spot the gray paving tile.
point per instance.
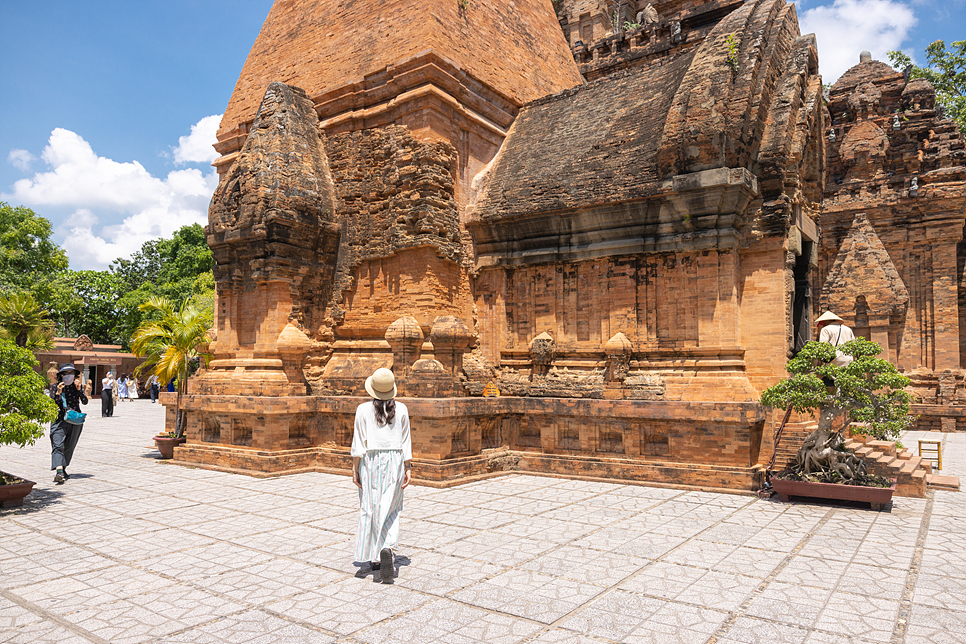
(143, 551)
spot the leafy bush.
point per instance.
(24, 405)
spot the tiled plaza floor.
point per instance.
(132, 549)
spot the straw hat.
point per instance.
(381, 384)
(828, 316)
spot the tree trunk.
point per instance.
(821, 451)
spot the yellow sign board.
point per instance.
(490, 391)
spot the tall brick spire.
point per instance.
(354, 58)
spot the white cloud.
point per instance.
(134, 205)
(21, 159)
(846, 27)
(197, 146)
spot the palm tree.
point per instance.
(24, 322)
(170, 344)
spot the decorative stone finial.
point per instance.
(865, 56)
(914, 187)
(405, 337)
(895, 122)
(543, 349)
(451, 339)
(618, 351)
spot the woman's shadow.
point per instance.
(365, 569)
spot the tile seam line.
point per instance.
(266, 607)
(613, 588)
(912, 577)
(735, 615)
(52, 617)
(543, 626)
(182, 582)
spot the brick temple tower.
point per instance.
(607, 229)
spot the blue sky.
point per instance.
(109, 107)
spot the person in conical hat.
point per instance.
(382, 454)
(834, 331)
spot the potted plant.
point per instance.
(24, 408)
(868, 390)
(170, 343)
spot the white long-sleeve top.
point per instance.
(369, 435)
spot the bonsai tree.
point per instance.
(170, 343)
(24, 407)
(869, 390)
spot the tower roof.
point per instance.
(514, 47)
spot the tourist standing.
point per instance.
(132, 388)
(68, 394)
(107, 395)
(834, 332)
(154, 387)
(122, 387)
(381, 468)
(115, 391)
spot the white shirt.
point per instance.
(368, 435)
(837, 335)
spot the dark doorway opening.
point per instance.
(802, 302)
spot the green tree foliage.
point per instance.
(24, 405)
(869, 390)
(25, 323)
(169, 342)
(946, 70)
(29, 261)
(106, 305)
(26, 251)
(98, 310)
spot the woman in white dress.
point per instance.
(132, 388)
(382, 455)
(122, 387)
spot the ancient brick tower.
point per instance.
(892, 253)
(609, 232)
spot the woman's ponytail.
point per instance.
(385, 410)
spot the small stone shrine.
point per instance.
(618, 233)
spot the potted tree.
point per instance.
(170, 342)
(869, 390)
(24, 408)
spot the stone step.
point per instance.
(943, 482)
(912, 464)
(888, 461)
(886, 447)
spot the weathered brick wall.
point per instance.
(891, 256)
(402, 251)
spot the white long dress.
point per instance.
(383, 450)
(122, 389)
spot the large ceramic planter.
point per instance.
(877, 496)
(12, 495)
(166, 445)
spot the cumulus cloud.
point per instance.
(197, 146)
(134, 205)
(21, 159)
(846, 27)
